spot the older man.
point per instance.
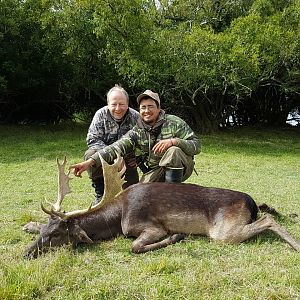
(164, 144)
(109, 124)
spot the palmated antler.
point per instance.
(63, 188)
(113, 182)
(63, 184)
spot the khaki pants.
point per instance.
(174, 157)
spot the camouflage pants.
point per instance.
(174, 157)
(131, 174)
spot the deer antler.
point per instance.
(63, 188)
(63, 184)
(113, 182)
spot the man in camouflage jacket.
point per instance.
(164, 144)
(109, 124)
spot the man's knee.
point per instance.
(175, 150)
(173, 157)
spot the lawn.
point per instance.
(262, 162)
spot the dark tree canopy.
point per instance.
(208, 59)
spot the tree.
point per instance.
(51, 60)
(208, 59)
(274, 31)
(30, 70)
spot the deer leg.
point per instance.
(147, 240)
(284, 234)
(243, 232)
(266, 222)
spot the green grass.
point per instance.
(263, 163)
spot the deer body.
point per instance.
(156, 214)
(184, 208)
(159, 214)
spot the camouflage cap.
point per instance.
(147, 94)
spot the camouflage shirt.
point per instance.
(105, 130)
(142, 137)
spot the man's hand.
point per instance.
(81, 167)
(163, 145)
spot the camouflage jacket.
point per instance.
(143, 137)
(105, 130)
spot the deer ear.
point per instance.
(81, 236)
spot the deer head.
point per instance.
(63, 227)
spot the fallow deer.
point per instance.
(156, 214)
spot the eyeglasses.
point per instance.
(147, 107)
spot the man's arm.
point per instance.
(123, 146)
(95, 135)
(183, 136)
(190, 144)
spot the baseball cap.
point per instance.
(146, 94)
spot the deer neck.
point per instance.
(102, 224)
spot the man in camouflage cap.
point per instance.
(164, 144)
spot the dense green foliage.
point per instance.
(208, 59)
(265, 164)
